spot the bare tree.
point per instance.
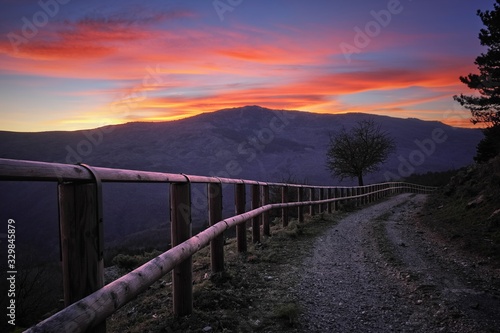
(355, 153)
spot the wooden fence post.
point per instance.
(321, 207)
(180, 222)
(81, 241)
(300, 209)
(311, 198)
(241, 229)
(341, 195)
(336, 194)
(214, 192)
(284, 210)
(329, 206)
(256, 220)
(265, 215)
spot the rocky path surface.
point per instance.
(378, 270)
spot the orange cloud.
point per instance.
(203, 70)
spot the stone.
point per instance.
(475, 202)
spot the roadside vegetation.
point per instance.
(436, 179)
(255, 293)
(466, 211)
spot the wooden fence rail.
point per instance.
(89, 302)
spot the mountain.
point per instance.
(249, 142)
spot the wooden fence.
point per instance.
(89, 302)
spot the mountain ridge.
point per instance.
(247, 108)
(249, 142)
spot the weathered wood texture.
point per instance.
(265, 216)
(215, 215)
(80, 233)
(311, 198)
(240, 207)
(180, 221)
(284, 210)
(300, 209)
(81, 236)
(256, 220)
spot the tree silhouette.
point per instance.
(485, 104)
(355, 153)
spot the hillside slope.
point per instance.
(466, 212)
(262, 143)
(249, 142)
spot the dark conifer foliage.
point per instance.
(485, 103)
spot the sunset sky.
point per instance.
(67, 65)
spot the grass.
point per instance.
(288, 311)
(256, 292)
(385, 246)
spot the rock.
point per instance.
(207, 329)
(256, 323)
(474, 306)
(495, 213)
(475, 202)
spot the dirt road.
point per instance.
(378, 270)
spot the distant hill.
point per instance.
(249, 142)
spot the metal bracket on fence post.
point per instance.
(81, 238)
(100, 221)
(182, 274)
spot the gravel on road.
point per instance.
(378, 270)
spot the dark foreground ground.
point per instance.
(377, 269)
